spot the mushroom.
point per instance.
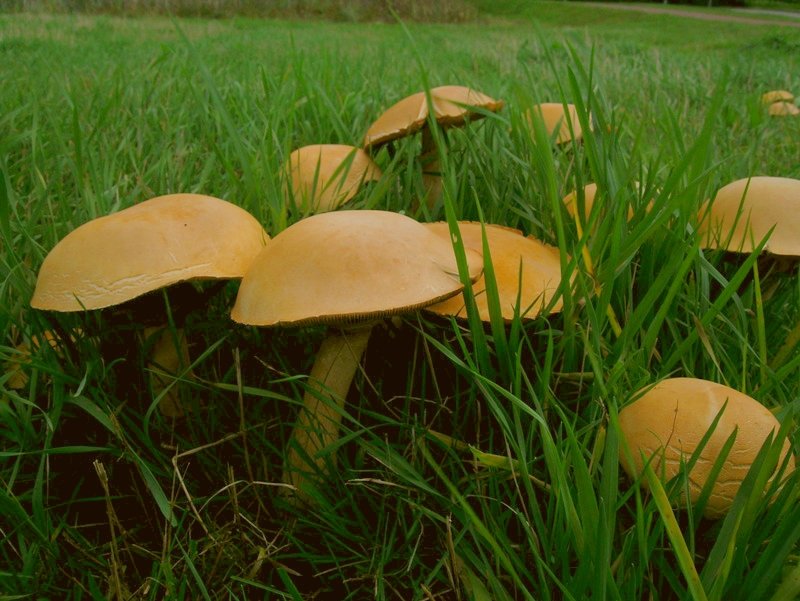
(527, 271)
(743, 213)
(774, 96)
(154, 244)
(346, 269)
(452, 106)
(589, 194)
(323, 176)
(741, 216)
(17, 377)
(557, 117)
(667, 422)
(783, 109)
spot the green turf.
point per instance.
(103, 497)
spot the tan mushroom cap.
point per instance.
(349, 266)
(589, 195)
(156, 243)
(571, 200)
(324, 176)
(553, 116)
(776, 96)
(783, 109)
(451, 107)
(668, 422)
(769, 202)
(541, 272)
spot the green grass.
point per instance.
(102, 497)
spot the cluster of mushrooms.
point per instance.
(780, 103)
(350, 269)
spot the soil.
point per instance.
(698, 15)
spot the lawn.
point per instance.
(477, 462)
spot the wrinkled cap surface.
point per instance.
(555, 118)
(156, 243)
(668, 422)
(324, 176)
(743, 212)
(528, 272)
(451, 107)
(348, 266)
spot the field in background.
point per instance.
(97, 113)
(443, 11)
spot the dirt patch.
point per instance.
(698, 15)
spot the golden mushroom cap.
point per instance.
(324, 176)
(153, 244)
(555, 117)
(513, 256)
(571, 200)
(776, 96)
(452, 106)
(589, 194)
(783, 109)
(668, 421)
(349, 266)
(744, 211)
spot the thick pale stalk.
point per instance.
(317, 425)
(168, 357)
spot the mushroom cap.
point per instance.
(324, 176)
(776, 96)
(153, 244)
(513, 256)
(554, 116)
(589, 194)
(668, 421)
(571, 200)
(349, 266)
(738, 222)
(452, 106)
(783, 109)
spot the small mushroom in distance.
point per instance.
(783, 109)
(527, 271)
(346, 269)
(557, 119)
(774, 96)
(154, 244)
(666, 424)
(451, 106)
(780, 103)
(322, 177)
(590, 194)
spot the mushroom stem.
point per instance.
(317, 425)
(431, 170)
(168, 355)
